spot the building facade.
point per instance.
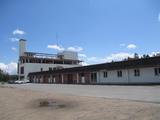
(38, 62)
(135, 71)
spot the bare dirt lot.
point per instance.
(21, 104)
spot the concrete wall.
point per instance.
(36, 67)
(113, 78)
(69, 55)
(147, 75)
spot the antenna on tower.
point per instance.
(57, 38)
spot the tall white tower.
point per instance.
(22, 47)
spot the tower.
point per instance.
(22, 47)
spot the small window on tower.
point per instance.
(41, 69)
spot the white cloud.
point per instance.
(76, 48)
(82, 55)
(84, 63)
(18, 32)
(94, 60)
(131, 46)
(10, 68)
(14, 39)
(159, 17)
(113, 57)
(56, 47)
(122, 45)
(154, 53)
(14, 49)
(118, 56)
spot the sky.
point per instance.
(99, 30)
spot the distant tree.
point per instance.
(4, 77)
(13, 77)
(136, 56)
(145, 56)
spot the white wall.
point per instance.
(36, 67)
(113, 78)
(147, 75)
(69, 55)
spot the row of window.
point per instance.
(136, 73)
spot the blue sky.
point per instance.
(100, 30)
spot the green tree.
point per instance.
(4, 77)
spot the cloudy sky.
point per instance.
(100, 30)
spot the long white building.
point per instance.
(35, 62)
(134, 71)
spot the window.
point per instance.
(41, 69)
(136, 72)
(157, 71)
(22, 70)
(94, 77)
(50, 69)
(105, 74)
(82, 74)
(119, 73)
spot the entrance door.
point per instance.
(83, 79)
(94, 77)
(70, 79)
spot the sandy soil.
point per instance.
(20, 104)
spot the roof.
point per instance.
(128, 64)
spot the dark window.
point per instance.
(94, 77)
(22, 70)
(119, 73)
(136, 72)
(82, 74)
(41, 69)
(26, 60)
(50, 69)
(157, 71)
(105, 74)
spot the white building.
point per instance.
(135, 71)
(36, 62)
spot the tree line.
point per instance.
(4, 77)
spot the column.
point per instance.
(77, 78)
(62, 79)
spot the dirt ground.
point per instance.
(20, 104)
